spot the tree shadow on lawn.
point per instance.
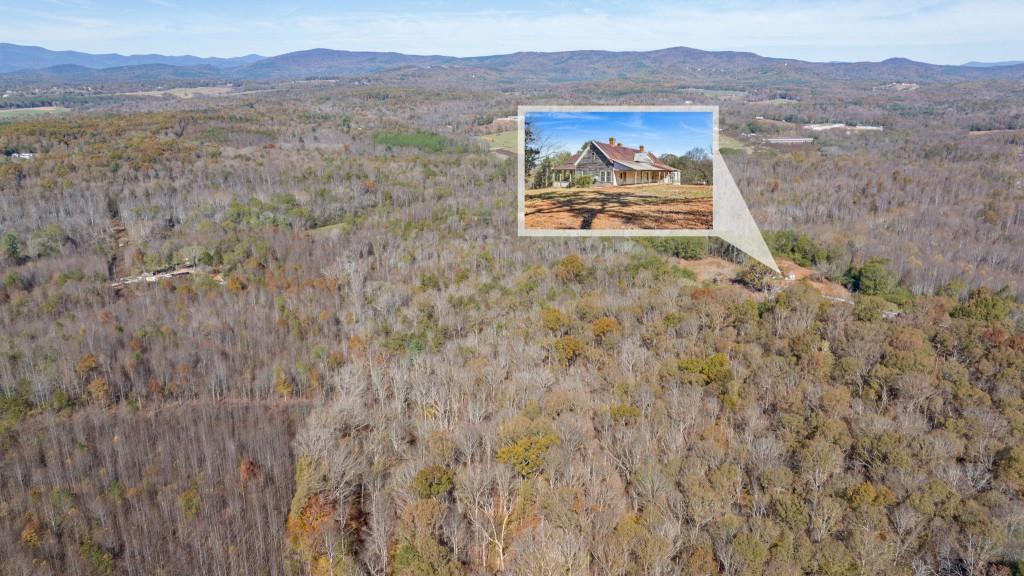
(633, 210)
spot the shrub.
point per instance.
(235, 284)
(605, 326)
(433, 481)
(872, 278)
(790, 510)
(625, 413)
(983, 304)
(430, 282)
(49, 240)
(568, 349)
(869, 308)
(797, 247)
(311, 511)
(86, 365)
(32, 533)
(526, 454)
(100, 561)
(189, 501)
(583, 181)
(686, 248)
(755, 275)
(834, 559)
(420, 551)
(10, 247)
(15, 405)
(99, 391)
(658, 267)
(1010, 468)
(554, 320)
(752, 550)
(714, 369)
(571, 268)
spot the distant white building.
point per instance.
(823, 127)
(23, 155)
(788, 140)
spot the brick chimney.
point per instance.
(611, 141)
(641, 147)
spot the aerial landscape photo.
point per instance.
(266, 309)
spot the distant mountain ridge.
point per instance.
(975, 64)
(14, 57)
(324, 63)
(683, 64)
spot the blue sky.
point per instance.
(940, 31)
(660, 132)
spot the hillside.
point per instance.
(365, 371)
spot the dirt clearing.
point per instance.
(643, 207)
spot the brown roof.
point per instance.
(571, 164)
(623, 155)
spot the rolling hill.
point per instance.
(975, 64)
(683, 64)
(14, 57)
(322, 62)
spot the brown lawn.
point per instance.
(718, 271)
(641, 207)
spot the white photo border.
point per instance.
(523, 110)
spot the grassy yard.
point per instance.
(730, 143)
(507, 140)
(643, 207)
(13, 113)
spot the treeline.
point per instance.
(695, 167)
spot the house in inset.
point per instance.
(612, 164)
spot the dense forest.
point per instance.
(354, 366)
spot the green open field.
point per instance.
(13, 113)
(506, 140)
(186, 93)
(730, 143)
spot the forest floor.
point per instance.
(642, 207)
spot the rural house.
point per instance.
(612, 164)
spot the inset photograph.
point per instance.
(600, 169)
